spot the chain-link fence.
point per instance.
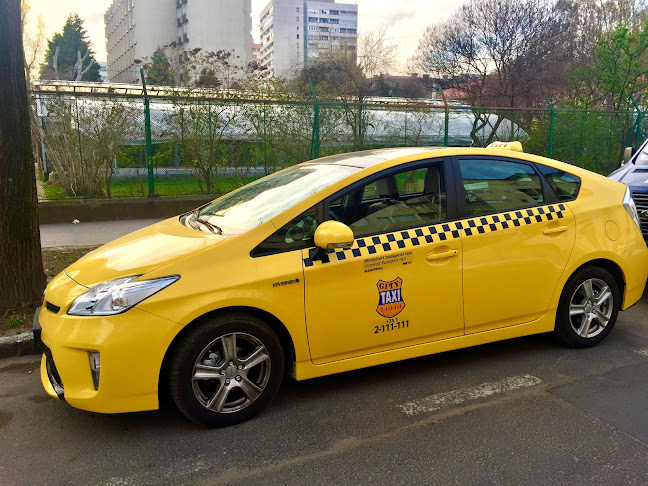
(100, 144)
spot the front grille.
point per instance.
(52, 308)
(641, 201)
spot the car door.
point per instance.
(400, 283)
(518, 240)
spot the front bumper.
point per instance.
(49, 374)
(131, 345)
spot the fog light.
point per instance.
(95, 366)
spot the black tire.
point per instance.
(574, 296)
(233, 392)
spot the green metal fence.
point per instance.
(103, 143)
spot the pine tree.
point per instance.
(72, 44)
(158, 71)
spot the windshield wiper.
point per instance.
(214, 229)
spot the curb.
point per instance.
(19, 345)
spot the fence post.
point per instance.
(551, 123)
(84, 187)
(265, 139)
(406, 127)
(447, 114)
(149, 142)
(315, 134)
(637, 122)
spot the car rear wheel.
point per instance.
(226, 370)
(588, 308)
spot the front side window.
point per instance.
(260, 201)
(494, 186)
(299, 233)
(403, 200)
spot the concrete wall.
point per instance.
(114, 209)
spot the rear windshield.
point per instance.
(256, 203)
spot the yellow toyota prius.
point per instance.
(336, 264)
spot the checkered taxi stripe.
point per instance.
(372, 245)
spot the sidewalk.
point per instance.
(91, 233)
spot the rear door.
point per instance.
(518, 240)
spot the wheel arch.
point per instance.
(275, 324)
(610, 265)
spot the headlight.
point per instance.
(629, 205)
(117, 296)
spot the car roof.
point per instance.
(367, 158)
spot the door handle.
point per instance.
(439, 256)
(553, 231)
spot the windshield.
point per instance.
(642, 157)
(264, 199)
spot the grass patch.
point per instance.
(53, 192)
(55, 260)
(181, 186)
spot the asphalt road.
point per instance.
(524, 411)
(89, 233)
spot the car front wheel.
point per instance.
(588, 308)
(226, 369)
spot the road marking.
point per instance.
(642, 352)
(440, 400)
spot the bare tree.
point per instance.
(205, 130)
(349, 73)
(83, 137)
(78, 66)
(34, 40)
(497, 53)
(21, 268)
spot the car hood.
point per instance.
(140, 252)
(632, 175)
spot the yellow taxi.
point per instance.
(336, 264)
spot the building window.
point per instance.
(297, 19)
(297, 36)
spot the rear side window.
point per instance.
(564, 184)
(493, 186)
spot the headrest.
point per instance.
(387, 187)
(432, 182)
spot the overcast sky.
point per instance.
(405, 20)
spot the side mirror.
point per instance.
(627, 154)
(333, 234)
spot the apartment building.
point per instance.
(215, 25)
(293, 31)
(136, 28)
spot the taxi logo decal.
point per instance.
(370, 246)
(390, 297)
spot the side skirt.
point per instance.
(305, 370)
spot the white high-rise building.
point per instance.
(293, 31)
(216, 25)
(136, 28)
